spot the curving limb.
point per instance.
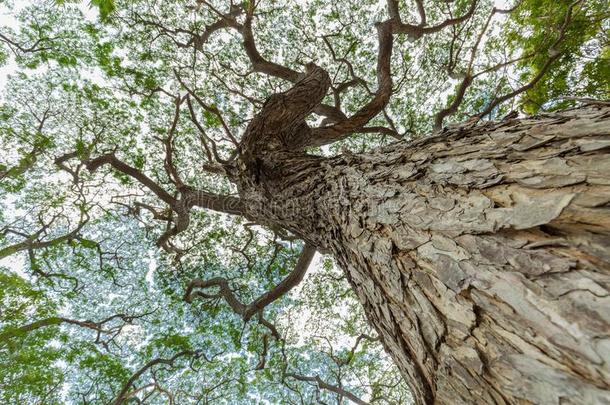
(329, 134)
(280, 124)
(103, 327)
(385, 31)
(168, 143)
(259, 63)
(262, 65)
(321, 384)
(124, 395)
(190, 198)
(336, 125)
(34, 241)
(246, 311)
(415, 32)
(111, 159)
(225, 21)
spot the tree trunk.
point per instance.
(481, 255)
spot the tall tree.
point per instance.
(241, 138)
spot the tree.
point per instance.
(241, 138)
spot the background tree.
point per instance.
(170, 168)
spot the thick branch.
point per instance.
(225, 21)
(190, 198)
(329, 387)
(415, 32)
(262, 65)
(325, 135)
(58, 320)
(32, 242)
(422, 12)
(215, 202)
(112, 160)
(247, 311)
(123, 394)
(346, 126)
(333, 133)
(283, 115)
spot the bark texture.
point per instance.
(481, 255)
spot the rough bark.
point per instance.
(481, 255)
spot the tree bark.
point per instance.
(481, 255)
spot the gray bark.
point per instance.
(481, 255)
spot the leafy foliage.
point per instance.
(584, 49)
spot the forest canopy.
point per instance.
(130, 270)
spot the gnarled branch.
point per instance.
(99, 327)
(329, 387)
(415, 32)
(33, 241)
(123, 395)
(246, 311)
(190, 198)
(329, 134)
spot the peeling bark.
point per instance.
(481, 255)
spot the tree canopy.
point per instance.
(129, 269)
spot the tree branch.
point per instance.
(110, 159)
(281, 122)
(329, 387)
(123, 395)
(210, 109)
(469, 76)
(23, 48)
(32, 242)
(280, 113)
(415, 32)
(247, 311)
(99, 327)
(190, 198)
(325, 135)
(554, 54)
(215, 202)
(168, 143)
(262, 65)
